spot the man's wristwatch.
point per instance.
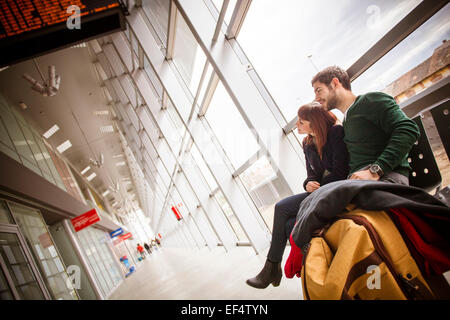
(374, 168)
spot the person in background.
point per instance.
(140, 249)
(326, 160)
(147, 247)
(378, 134)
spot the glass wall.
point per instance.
(187, 55)
(20, 141)
(94, 242)
(24, 285)
(230, 129)
(44, 252)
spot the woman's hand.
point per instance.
(312, 186)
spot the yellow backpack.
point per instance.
(362, 255)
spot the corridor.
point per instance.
(182, 274)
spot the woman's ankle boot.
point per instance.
(270, 274)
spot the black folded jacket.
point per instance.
(321, 206)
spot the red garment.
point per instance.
(429, 248)
(140, 248)
(293, 264)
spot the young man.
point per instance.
(378, 134)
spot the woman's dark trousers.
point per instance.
(283, 222)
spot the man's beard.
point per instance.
(332, 102)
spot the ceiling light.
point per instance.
(85, 170)
(100, 112)
(92, 176)
(64, 146)
(51, 131)
(122, 163)
(79, 45)
(106, 129)
(104, 194)
(23, 106)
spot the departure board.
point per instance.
(19, 16)
(30, 28)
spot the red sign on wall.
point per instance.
(177, 213)
(85, 220)
(126, 236)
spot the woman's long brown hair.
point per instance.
(320, 120)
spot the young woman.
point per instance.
(327, 160)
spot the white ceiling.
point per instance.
(79, 95)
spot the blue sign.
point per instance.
(116, 233)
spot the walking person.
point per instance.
(140, 249)
(327, 160)
(147, 247)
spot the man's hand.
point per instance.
(312, 186)
(365, 175)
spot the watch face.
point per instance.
(375, 169)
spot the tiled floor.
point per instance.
(175, 273)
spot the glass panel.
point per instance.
(204, 170)
(263, 184)
(187, 55)
(114, 272)
(156, 84)
(44, 155)
(230, 8)
(9, 152)
(4, 137)
(227, 123)
(16, 135)
(40, 156)
(93, 257)
(29, 137)
(30, 165)
(407, 55)
(101, 260)
(58, 173)
(288, 42)
(18, 267)
(158, 11)
(34, 229)
(5, 290)
(50, 163)
(5, 216)
(236, 226)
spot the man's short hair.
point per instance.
(326, 75)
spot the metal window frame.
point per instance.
(220, 20)
(169, 146)
(237, 19)
(260, 242)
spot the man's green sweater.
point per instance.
(377, 131)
